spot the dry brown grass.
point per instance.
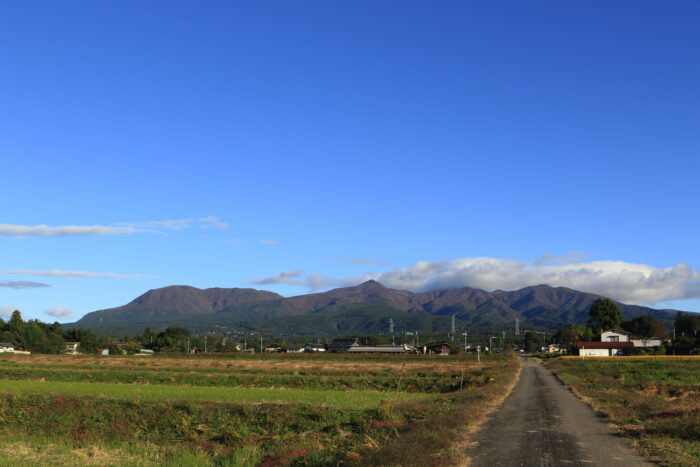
(653, 401)
(24, 453)
(246, 363)
(443, 437)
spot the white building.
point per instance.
(615, 335)
(603, 349)
(315, 348)
(647, 342)
(71, 348)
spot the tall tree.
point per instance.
(533, 342)
(604, 315)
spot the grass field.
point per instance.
(288, 410)
(654, 400)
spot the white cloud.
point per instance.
(285, 277)
(171, 224)
(20, 285)
(74, 274)
(122, 228)
(58, 312)
(625, 282)
(212, 222)
(6, 311)
(268, 242)
(19, 231)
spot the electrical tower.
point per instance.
(453, 328)
(517, 327)
(391, 325)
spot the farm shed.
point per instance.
(315, 348)
(399, 349)
(343, 345)
(603, 349)
(436, 349)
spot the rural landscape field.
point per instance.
(653, 400)
(243, 410)
(362, 233)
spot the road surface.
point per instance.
(542, 423)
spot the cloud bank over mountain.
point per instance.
(625, 282)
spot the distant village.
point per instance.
(605, 335)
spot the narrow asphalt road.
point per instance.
(542, 423)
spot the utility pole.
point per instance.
(188, 346)
(465, 340)
(453, 328)
(391, 329)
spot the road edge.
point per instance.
(466, 443)
(590, 403)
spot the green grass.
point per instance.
(419, 382)
(66, 411)
(655, 401)
(349, 399)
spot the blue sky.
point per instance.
(298, 146)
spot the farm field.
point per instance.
(655, 401)
(286, 410)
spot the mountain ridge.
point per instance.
(367, 307)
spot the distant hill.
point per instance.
(172, 303)
(361, 309)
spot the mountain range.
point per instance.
(362, 309)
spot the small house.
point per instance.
(315, 348)
(71, 348)
(552, 348)
(436, 349)
(603, 349)
(295, 349)
(6, 347)
(615, 335)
